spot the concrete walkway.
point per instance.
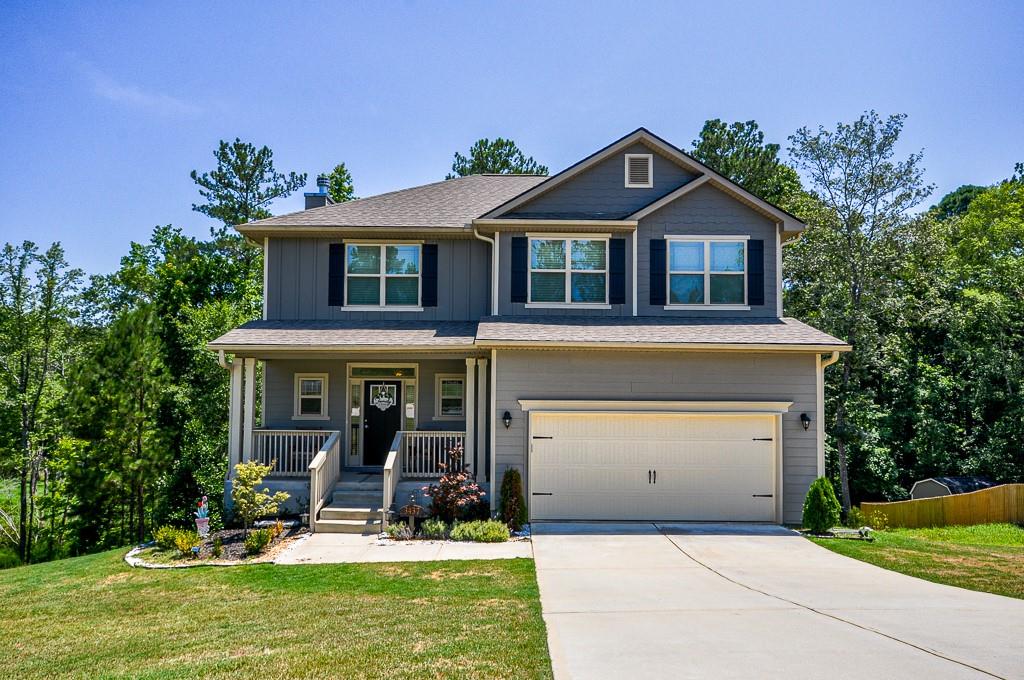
(332, 548)
(728, 601)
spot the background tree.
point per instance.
(843, 264)
(499, 157)
(243, 184)
(957, 201)
(37, 293)
(739, 152)
(340, 188)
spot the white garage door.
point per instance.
(652, 466)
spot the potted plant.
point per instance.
(203, 518)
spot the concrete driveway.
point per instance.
(728, 601)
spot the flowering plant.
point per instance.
(456, 493)
(204, 509)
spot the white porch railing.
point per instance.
(392, 475)
(423, 452)
(292, 450)
(324, 473)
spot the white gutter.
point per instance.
(494, 267)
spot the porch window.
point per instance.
(382, 275)
(450, 397)
(568, 271)
(310, 396)
(707, 272)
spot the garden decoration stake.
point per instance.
(203, 518)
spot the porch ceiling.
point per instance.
(327, 336)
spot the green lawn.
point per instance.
(96, 617)
(986, 557)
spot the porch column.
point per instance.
(481, 421)
(234, 417)
(468, 450)
(248, 408)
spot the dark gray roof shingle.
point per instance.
(449, 204)
(341, 334)
(652, 330)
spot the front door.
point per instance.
(383, 419)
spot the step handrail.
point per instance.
(324, 473)
(392, 475)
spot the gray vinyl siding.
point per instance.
(601, 191)
(508, 308)
(706, 211)
(297, 271)
(280, 390)
(664, 376)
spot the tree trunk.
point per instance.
(24, 537)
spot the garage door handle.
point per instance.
(537, 437)
(538, 493)
(655, 476)
(763, 439)
(763, 495)
(648, 476)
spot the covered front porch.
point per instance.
(345, 430)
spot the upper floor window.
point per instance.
(568, 271)
(382, 275)
(707, 271)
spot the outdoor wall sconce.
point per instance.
(507, 419)
(805, 420)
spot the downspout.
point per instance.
(223, 360)
(494, 267)
(831, 360)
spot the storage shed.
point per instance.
(947, 486)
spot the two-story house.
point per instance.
(614, 331)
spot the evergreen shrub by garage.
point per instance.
(821, 507)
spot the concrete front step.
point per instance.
(348, 526)
(365, 512)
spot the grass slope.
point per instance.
(986, 557)
(96, 617)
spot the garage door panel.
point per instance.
(598, 465)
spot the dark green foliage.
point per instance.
(511, 504)
(957, 201)
(340, 188)
(498, 157)
(8, 558)
(243, 184)
(739, 152)
(821, 507)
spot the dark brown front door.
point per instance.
(382, 419)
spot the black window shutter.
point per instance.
(658, 269)
(617, 271)
(519, 268)
(429, 275)
(755, 272)
(336, 275)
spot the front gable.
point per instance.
(600, 191)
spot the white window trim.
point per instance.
(324, 381)
(706, 240)
(438, 379)
(650, 170)
(383, 277)
(567, 303)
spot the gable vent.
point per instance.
(639, 170)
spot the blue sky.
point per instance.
(106, 107)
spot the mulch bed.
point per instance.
(232, 549)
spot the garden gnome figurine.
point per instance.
(203, 518)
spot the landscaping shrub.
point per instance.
(456, 494)
(185, 541)
(481, 531)
(218, 547)
(400, 531)
(166, 537)
(511, 505)
(434, 529)
(855, 519)
(821, 507)
(251, 503)
(257, 541)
